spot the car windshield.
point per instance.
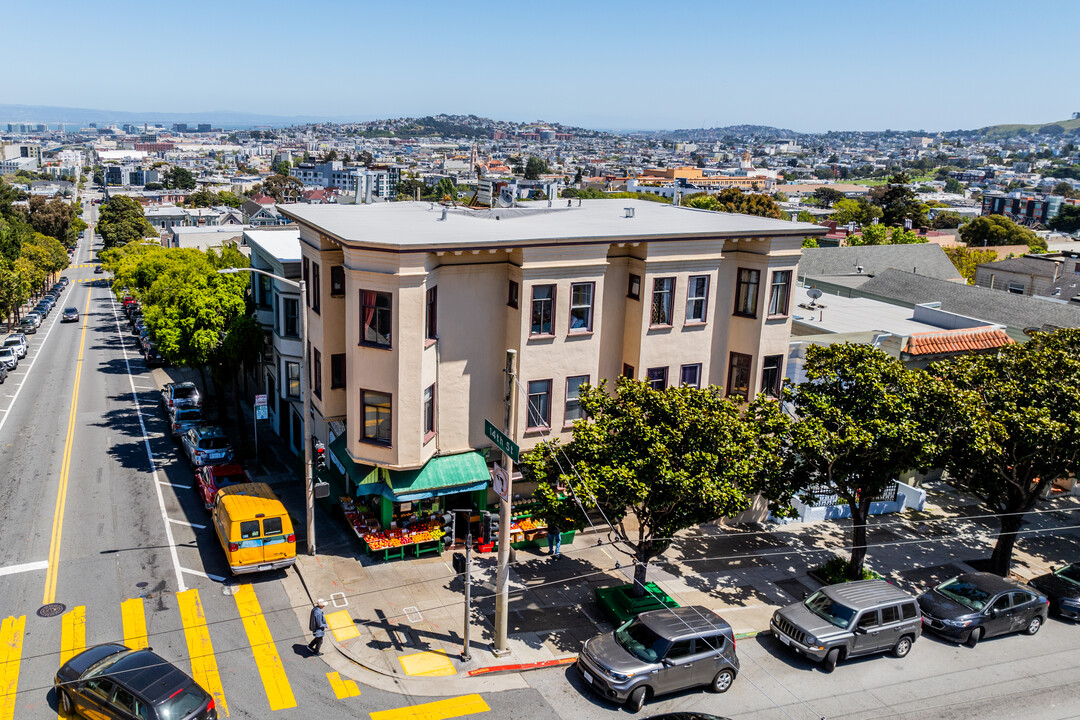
(12, 342)
(102, 665)
(6, 350)
(181, 704)
(188, 414)
(828, 609)
(215, 443)
(637, 639)
(964, 593)
(1070, 573)
(71, 310)
(184, 392)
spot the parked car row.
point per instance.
(15, 346)
(664, 651)
(143, 338)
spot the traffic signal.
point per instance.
(490, 529)
(320, 456)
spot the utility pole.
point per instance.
(502, 578)
(305, 393)
(466, 656)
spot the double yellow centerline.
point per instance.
(65, 469)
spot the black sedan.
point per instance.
(112, 681)
(71, 314)
(1062, 587)
(969, 607)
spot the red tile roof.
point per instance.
(956, 341)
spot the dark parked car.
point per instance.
(71, 314)
(1062, 587)
(182, 418)
(974, 606)
(27, 327)
(3, 373)
(661, 651)
(183, 394)
(206, 445)
(98, 270)
(153, 356)
(110, 681)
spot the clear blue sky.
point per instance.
(808, 66)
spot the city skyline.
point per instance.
(605, 66)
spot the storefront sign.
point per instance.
(502, 442)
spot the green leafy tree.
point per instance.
(283, 188)
(1009, 426)
(408, 186)
(952, 185)
(1067, 220)
(994, 230)
(858, 426)
(967, 259)
(445, 189)
(282, 167)
(734, 200)
(1065, 190)
(871, 235)
(667, 460)
(535, 167)
(948, 220)
(121, 221)
(810, 242)
(178, 178)
(861, 212)
(899, 236)
(898, 202)
(10, 290)
(828, 196)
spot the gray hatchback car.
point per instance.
(848, 620)
(661, 651)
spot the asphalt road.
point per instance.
(99, 516)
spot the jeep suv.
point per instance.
(848, 620)
(661, 651)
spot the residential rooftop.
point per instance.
(283, 245)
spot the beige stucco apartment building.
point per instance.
(413, 306)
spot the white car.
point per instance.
(9, 357)
(34, 317)
(18, 343)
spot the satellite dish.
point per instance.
(813, 293)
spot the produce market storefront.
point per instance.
(407, 513)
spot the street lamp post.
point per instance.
(305, 394)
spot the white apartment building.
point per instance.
(412, 307)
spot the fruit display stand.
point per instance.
(424, 535)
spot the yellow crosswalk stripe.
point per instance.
(203, 664)
(72, 638)
(342, 688)
(278, 691)
(438, 710)
(11, 642)
(134, 624)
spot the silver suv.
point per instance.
(661, 651)
(848, 620)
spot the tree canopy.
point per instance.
(828, 196)
(734, 200)
(121, 221)
(967, 259)
(994, 230)
(178, 178)
(535, 167)
(898, 202)
(1067, 220)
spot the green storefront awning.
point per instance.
(441, 475)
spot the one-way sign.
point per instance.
(502, 442)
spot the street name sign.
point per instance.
(502, 442)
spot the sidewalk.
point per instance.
(399, 625)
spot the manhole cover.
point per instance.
(141, 584)
(52, 610)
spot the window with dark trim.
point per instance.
(292, 379)
(539, 404)
(543, 310)
(772, 374)
(291, 326)
(314, 289)
(657, 378)
(738, 379)
(375, 318)
(779, 292)
(337, 371)
(573, 410)
(697, 298)
(432, 313)
(690, 375)
(512, 294)
(266, 292)
(633, 287)
(663, 301)
(429, 412)
(306, 277)
(746, 292)
(316, 369)
(628, 371)
(581, 306)
(337, 281)
(377, 410)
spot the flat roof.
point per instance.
(419, 225)
(282, 245)
(838, 314)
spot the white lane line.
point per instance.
(180, 586)
(215, 578)
(197, 526)
(176, 485)
(143, 387)
(25, 567)
(30, 367)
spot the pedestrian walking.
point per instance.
(554, 539)
(317, 625)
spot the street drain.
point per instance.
(52, 610)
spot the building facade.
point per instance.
(412, 308)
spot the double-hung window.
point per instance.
(316, 368)
(539, 404)
(746, 292)
(429, 412)
(375, 318)
(573, 409)
(657, 378)
(690, 375)
(739, 375)
(663, 301)
(581, 306)
(432, 313)
(772, 374)
(337, 281)
(315, 289)
(292, 317)
(376, 416)
(543, 310)
(292, 379)
(779, 292)
(697, 298)
(337, 371)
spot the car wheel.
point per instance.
(64, 701)
(974, 637)
(636, 701)
(830, 659)
(722, 682)
(1033, 625)
(902, 647)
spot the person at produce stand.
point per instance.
(554, 535)
(317, 625)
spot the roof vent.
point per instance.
(629, 212)
(444, 210)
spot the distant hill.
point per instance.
(83, 116)
(741, 132)
(1009, 130)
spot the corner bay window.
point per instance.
(581, 307)
(697, 297)
(291, 325)
(429, 411)
(292, 379)
(376, 416)
(772, 374)
(746, 292)
(375, 318)
(779, 291)
(539, 404)
(663, 301)
(337, 281)
(543, 310)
